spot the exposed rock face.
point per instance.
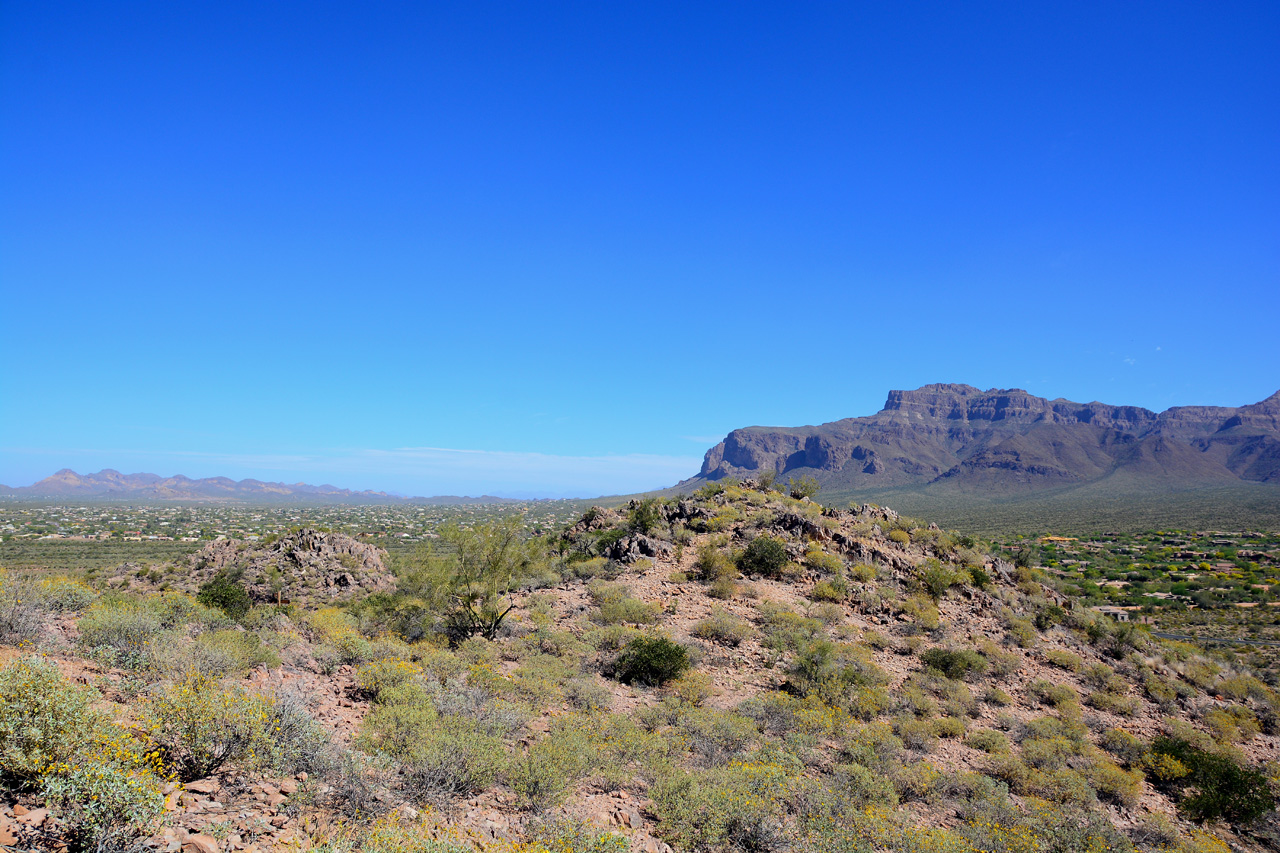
(306, 565)
(1000, 440)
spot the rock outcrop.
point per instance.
(305, 565)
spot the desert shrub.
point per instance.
(692, 688)
(22, 614)
(920, 735)
(1231, 724)
(989, 741)
(995, 696)
(646, 516)
(1223, 787)
(65, 595)
(828, 590)
(765, 555)
(738, 807)
(901, 537)
(229, 652)
(202, 725)
(784, 629)
(615, 605)
(954, 663)
(1113, 784)
(1127, 747)
(122, 629)
(43, 718)
(949, 727)
(936, 578)
(1064, 660)
(96, 775)
(225, 592)
(377, 677)
(543, 775)
(804, 487)
(587, 694)
(1000, 662)
(1113, 703)
(651, 660)
(566, 835)
(922, 610)
(826, 613)
(722, 627)
(454, 756)
(863, 572)
(103, 808)
(828, 564)
(1021, 631)
(716, 737)
(841, 675)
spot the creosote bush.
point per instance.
(651, 660)
(765, 555)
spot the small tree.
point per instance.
(805, 487)
(470, 580)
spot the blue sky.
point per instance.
(580, 242)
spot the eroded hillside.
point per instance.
(735, 670)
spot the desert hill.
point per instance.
(734, 670)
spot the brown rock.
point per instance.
(288, 786)
(33, 817)
(202, 786)
(19, 810)
(201, 844)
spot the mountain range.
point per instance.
(111, 484)
(959, 439)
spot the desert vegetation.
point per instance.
(741, 669)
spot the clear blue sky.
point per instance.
(306, 241)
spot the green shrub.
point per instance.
(936, 578)
(954, 663)
(616, 605)
(833, 591)
(646, 516)
(65, 595)
(202, 725)
(103, 808)
(949, 727)
(651, 660)
(377, 677)
(920, 735)
(765, 555)
(96, 775)
(738, 807)
(721, 627)
(43, 718)
(1224, 788)
(901, 537)
(566, 835)
(841, 675)
(989, 741)
(1064, 660)
(225, 592)
(713, 564)
(543, 775)
(1113, 703)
